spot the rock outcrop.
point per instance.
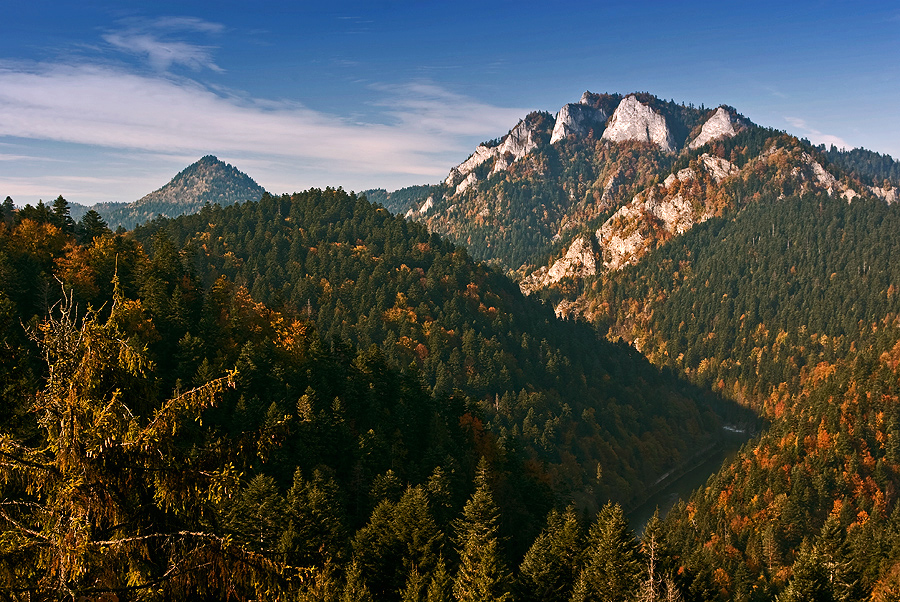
(520, 141)
(628, 234)
(423, 210)
(821, 176)
(482, 153)
(577, 120)
(579, 261)
(717, 167)
(635, 121)
(720, 125)
(888, 194)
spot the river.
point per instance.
(684, 486)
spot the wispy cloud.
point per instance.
(814, 135)
(424, 106)
(424, 128)
(158, 41)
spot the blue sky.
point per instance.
(106, 101)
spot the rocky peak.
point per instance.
(578, 120)
(720, 125)
(482, 153)
(635, 121)
(520, 141)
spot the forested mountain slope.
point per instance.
(554, 390)
(758, 266)
(193, 439)
(789, 307)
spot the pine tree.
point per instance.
(482, 575)
(91, 226)
(111, 499)
(613, 567)
(551, 564)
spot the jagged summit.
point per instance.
(577, 120)
(638, 122)
(208, 180)
(524, 138)
(720, 125)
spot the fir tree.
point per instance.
(482, 575)
(551, 564)
(613, 566)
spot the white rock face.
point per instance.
(481, 154)
(825, 179)
(634, 121)
(576, 119)
(889, 195)
(621, 238)
(717, 167)
(611, 183)
(520, 141)
(684, 175)
(579, 261)
(466, 183)
(426, 206)
(720, 125)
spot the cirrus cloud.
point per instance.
(422, 129)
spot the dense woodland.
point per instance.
(171, 428)
(790, 308)
(306, 397)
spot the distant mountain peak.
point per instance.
(208, 180)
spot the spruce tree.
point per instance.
(9, 211)
(482, 575)
(613, 566)
(551, 565)
(440, 587)
(91, 226)
(809, 581)
(60, 217)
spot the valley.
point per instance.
(497, 379)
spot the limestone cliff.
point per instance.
(521, 140)
(579, 261)
(888, 194)
(577, 120)
(720, 125)
(635, 121)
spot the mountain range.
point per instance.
(581, 311)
